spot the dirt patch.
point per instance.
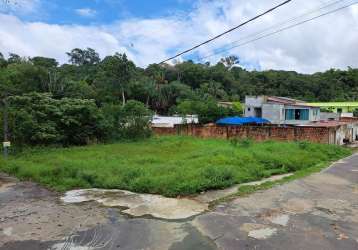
(298, 206)
(6, 182)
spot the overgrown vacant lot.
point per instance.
(170, 166)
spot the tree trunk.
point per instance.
(147, 102)
(123, 98)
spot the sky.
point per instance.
(150, 31)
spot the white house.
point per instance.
(171, 121)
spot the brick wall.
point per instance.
(258, 133)
(348, 119)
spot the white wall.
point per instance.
(252, 102)
(171, 121)
(255, 101)
(274, 113)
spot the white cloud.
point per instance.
(41, 39)
(86, 12)
(330, 41)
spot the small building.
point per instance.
(281, 110)
(171, 121)
(344, 109)
(340, 132)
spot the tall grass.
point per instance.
(170, 166)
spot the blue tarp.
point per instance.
(242, 121)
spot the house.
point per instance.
(171, 121)
(281, 110)
(344, 109)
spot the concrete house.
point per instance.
(281, 110)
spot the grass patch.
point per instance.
(170, 166)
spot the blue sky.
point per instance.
(149, 31)
(102, 11)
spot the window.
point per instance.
(248, 109)
(297, 114)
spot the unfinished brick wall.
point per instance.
(258, 133)
(164, 131)
(348, 119)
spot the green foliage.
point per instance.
(134, 119)
(44, 62)
(38, 119)
(355, 113)
(184, 88)
(171, 166)
(83, 57)
(207, 110)
(114, 75)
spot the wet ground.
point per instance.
(317, 212)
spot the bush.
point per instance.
(355, 113)
(39, 119)
(130, 121)
(134, 120)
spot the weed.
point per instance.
(171, 165)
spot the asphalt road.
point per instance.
(316, 212)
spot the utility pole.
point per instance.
(6, 143)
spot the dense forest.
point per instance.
(46, 100)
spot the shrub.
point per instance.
(39, 119)
(134, 120)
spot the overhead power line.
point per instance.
(280, 24)
(280, 30)
(228, 31)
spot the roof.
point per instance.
(289, 101)
(241, 121)
(334, 104)
(283, 100)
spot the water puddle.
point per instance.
(138, 205)
(155, 206)
(262, 234)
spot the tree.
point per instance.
(157, 73)
(207, 111)
(213, 89)
(81, 57)
(115, 74)
(192, 74)
(24, 77)
(134, 120)
(3, 62)
(230, 61)
(127, 122)
(39, 119)
(14, 58)
(44, 62)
